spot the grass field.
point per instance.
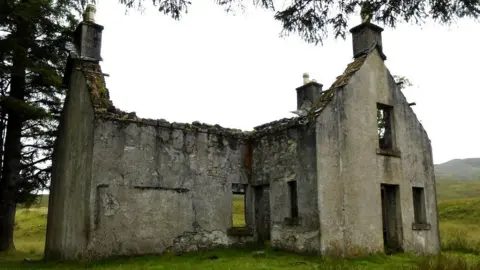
(238, 211)
(459, 228)
(457, 189)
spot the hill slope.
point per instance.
(459, 169)
(457, 189)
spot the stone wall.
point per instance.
(163, 186)
(287, 155)
(158, 186)
(350, 191)
(331, 190)
(67, 226)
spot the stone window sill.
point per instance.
(421, 226)
(240, 231)
(389, 152)
(288, 221)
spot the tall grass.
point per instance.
(460, 225)
(30, 228)
(450, 262)
(459, 228)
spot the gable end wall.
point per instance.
(362, 170)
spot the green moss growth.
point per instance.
(103, 91)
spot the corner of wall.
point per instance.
(330, 188)
(68, 211)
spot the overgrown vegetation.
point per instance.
(460, 225)
(459, 228)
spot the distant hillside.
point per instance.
(459, 169)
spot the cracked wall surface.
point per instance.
(67, 226)
(156, 188)
(283, 156)
(351, 169)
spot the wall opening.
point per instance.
(419, 210)
(385, 126)
(238, 205)
(292, 190)
(391, 217)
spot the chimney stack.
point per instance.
(308, 93)
(364, 37)
(87, 42)
(88, 36)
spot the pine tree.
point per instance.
(33, 54)
(314, 19)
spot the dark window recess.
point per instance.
(292, 188)
(238, 205)
(384, 122)
(419, 210)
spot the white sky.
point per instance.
(237, 72)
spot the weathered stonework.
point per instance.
(122, 185)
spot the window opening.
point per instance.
(292, 187)
(384, 123)
(238, 205)
(419, 210)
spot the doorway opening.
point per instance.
(392, 218)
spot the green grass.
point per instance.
(238, 211)
(457, 189)
(459, 227)
(233, 259)
(30, 228)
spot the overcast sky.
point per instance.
(237, 72)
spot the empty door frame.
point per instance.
(391, 218)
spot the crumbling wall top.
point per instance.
(104, 109)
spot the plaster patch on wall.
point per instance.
(110, 204)
(420, 241)
(204, 240)
(295, 239)
(191, 241)
(129, 148)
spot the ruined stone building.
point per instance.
(353, 174)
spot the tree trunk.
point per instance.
(2, 145)
(12, 152)
(2, 142)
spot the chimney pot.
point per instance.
(306, 78)
(89, 14)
